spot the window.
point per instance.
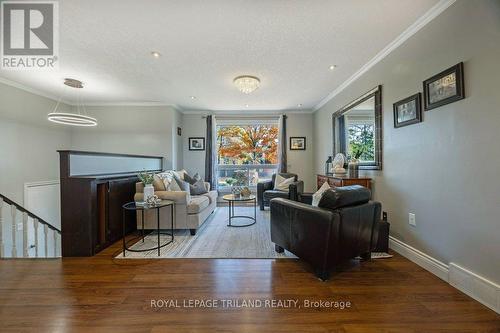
(359, 134)
(246, 153)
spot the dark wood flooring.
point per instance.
(101, 294)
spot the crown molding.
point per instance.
(431, 14)
(31, 90)
(131, 104)
(245, 112)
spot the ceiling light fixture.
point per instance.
(72, 119)
(156, 54)
(332, 67)
(246, 83)
(299, 105)
(246, 105)
(192, 97)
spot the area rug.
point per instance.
(216, 240)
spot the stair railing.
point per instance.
(48, 229)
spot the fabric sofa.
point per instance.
(344, 226)
(191, 211)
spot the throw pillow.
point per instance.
(319, 194)
(282, 183)
(181, 173)
(158, 183)
(189, 179)
(198, 188)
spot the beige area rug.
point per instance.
(216, 240)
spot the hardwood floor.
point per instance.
(100, 294)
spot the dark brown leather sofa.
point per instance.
(341, 228)
(266, 191)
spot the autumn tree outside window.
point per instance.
(246, 153)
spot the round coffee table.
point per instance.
(231, 199)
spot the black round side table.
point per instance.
(231, 199)
(133, 206)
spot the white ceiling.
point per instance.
(288, 44)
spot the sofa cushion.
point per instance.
(339, 197)
(271, 194)
(212, 196)
(197, 204)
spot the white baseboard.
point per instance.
(434, 266)
(471, 284)
(477, 287)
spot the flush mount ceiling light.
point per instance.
(72, 119)
(246, 83)
(192, 97)
(332, 67)
(156, 54)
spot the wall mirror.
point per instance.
(357, 130)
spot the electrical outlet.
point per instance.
(411, 219)
(19, 226)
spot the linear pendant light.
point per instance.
(72, 119)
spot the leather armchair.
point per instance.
(266, 191)
(343, 227)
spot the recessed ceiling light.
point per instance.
(192, 97)
(246, 105)
(156, 54)
(332, 67)
(299, 105)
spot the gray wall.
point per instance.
(28, 142)
(142, 130)
(445, 170)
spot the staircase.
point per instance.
(44, 240)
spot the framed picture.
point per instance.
(297, 143)
(408, 111)
(445, 87)
(196, 143)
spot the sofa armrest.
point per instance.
(306, 197)
(263, 186)
(179, 197)
(295, 189)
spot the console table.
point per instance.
(338, 181)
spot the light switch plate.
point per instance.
(411, 219)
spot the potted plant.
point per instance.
(147, 179)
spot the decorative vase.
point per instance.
(149, 191)
(353, 168)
